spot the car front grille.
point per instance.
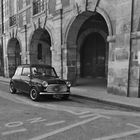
(56, 88)
(56, 82)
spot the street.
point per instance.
(53, 119)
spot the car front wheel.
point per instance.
(12, 88)
(34, 94)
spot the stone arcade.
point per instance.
(80, 38)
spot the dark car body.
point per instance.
(39, 80)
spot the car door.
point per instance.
(16, 78)
(25, 79)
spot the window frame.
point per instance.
(38, 6)
(25, 73)
(18, 73)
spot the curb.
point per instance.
(121, 105)
(4, 81)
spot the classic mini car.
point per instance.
(37, 80)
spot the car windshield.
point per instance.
(43, 71)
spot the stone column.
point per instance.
(58, 49)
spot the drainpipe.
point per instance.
(61, 30)
(2, 33)
(25, 27)
(86, 5)
(130, 49)
(139, 81)
(97, 3)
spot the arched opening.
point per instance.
(14, 55)
(88, 48)
(40, 48)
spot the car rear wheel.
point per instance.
(12, 88)
(34, 94)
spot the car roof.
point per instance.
(35, 65)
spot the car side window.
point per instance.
(34, 70)
(26, 71)
(18, 71)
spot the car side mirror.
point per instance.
(29, 75)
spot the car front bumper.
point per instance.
(53, 93)
(54, 89)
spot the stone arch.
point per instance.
(107, 19)
(18, 39)
(14, 55)
(100, 11)
(87, 32)
(49, 29)
(40, 47)
(67, 27)
(73, 33)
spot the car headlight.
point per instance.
(44, 84)
(68, 83)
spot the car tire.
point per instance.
(65, 97)
(34, 94)
(12, 88)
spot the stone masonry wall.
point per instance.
(117, 14)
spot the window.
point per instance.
(51, 6)
(6, 7)
(12, 20)
(12, 13)
(44, 71)
(20, 4)
(28, 2)
(26, 71)
(18, 71)
(38, 6)
(34, 70)
(39, 50)
(11, 7)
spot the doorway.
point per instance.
(93, 56)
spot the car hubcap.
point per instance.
(33, 94)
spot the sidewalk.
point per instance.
(96, 93)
